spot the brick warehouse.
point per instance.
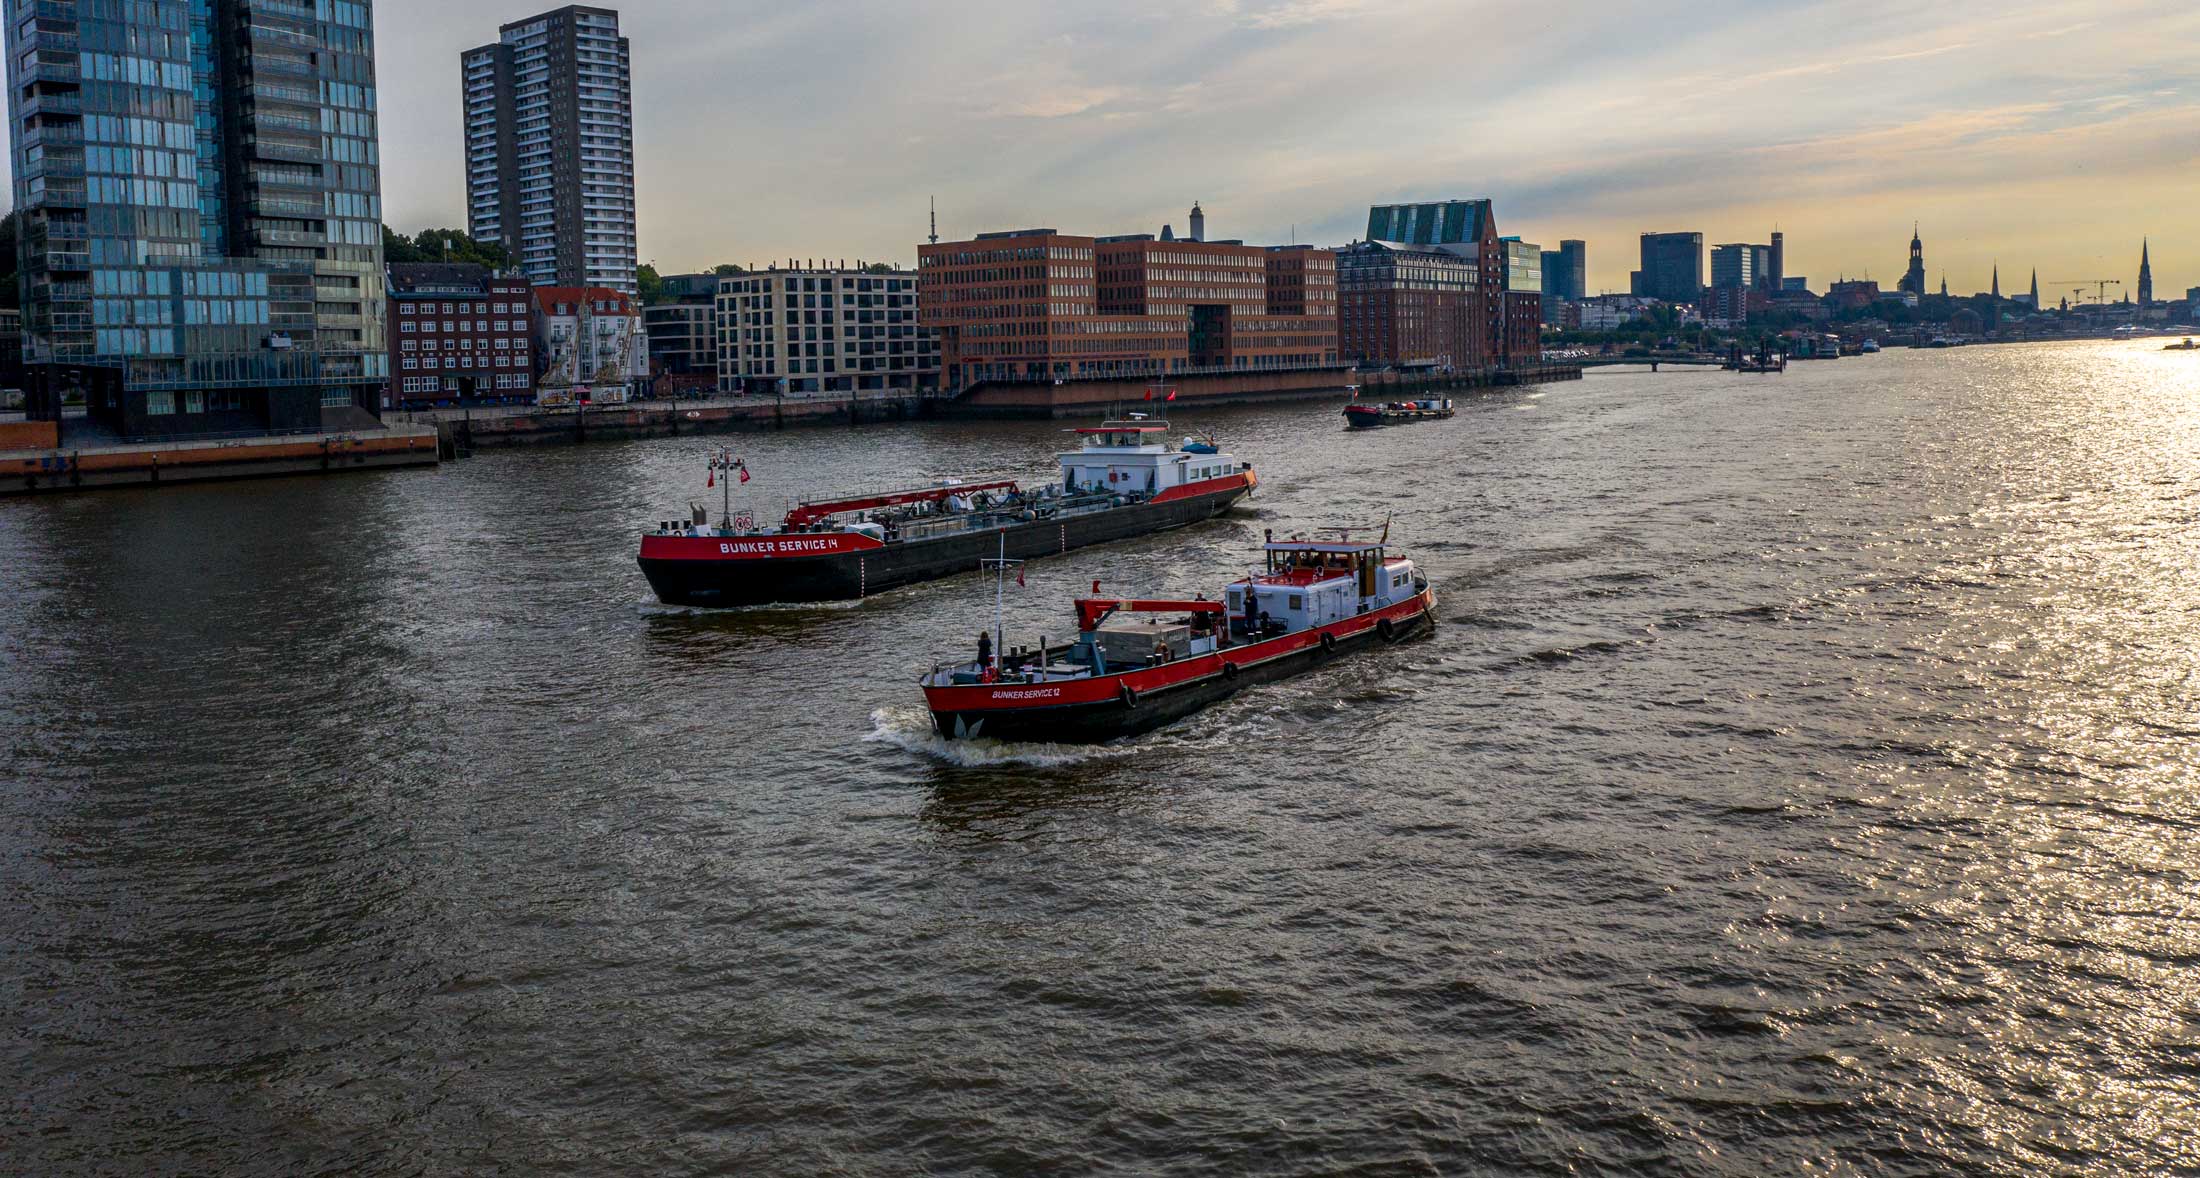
(1427, 287)
(1040, 305)
(458, 331)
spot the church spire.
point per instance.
(2146, 275)
(1997, 282)
(2036, 288)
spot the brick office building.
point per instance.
(458, 331)
(1039, 305)
(1410, 306)
(1437, 271)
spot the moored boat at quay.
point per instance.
(1139, 664)
(1124, 480)
(1368, 416)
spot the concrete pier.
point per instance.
(86, 467)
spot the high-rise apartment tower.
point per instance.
(550, 148)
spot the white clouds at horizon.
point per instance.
(2027, 134)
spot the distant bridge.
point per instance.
(1691, 361)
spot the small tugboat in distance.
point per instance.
(1139, 664)
(1124, 481)
(2187, 346)
(1368, 416)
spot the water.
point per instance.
(1803, 780)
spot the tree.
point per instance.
(398, 249)
(727, 269)
(443, 245)
(650, 285)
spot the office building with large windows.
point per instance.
(1672, 267)
(200, 242)
(550, 148)
(802, 332)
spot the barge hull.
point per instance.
(1092, 723)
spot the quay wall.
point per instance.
(536, 427)
(157, 463)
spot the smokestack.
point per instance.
(1199, 224)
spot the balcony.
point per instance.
(69, 102)
(53, 66)
(54, 134)
(273, 206)
(61, 195)
(289, 237)
(278, 149)
(284, 92)
(54, 168)
(276, 35)
(68, 261)
(282, 67)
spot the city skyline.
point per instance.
(824, 131)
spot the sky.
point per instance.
(2049, 135)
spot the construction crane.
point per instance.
(2100, 285)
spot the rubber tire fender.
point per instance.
(1128, 694)
(1329, 642)
(1229, 670)
(1388, 629)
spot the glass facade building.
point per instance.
(199, 183)
(1672, 267)
(1566, 272)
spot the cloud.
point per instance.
(824, 128)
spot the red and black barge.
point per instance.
(1139, 664)
(1125, 480)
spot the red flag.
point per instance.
(1172, 394)
(743, 467)
(1019, 576)
(713, 481)
(1149, 394)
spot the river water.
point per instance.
(1803, 779)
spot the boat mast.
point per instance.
(1000, 598)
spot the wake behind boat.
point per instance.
(1124, 481)
(1130, 671)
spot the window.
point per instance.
(1297, 601)
(160, 404)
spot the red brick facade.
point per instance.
(1411, 306)
(1041, 305)
(456, 331)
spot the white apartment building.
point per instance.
(550, 147)
(823, 332)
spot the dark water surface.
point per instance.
(1803, 780)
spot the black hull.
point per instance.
(1097, 722)
(847, 576)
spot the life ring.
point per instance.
(1229, 669)
(1129, 696)
(1329, 642)
(1388, 629)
